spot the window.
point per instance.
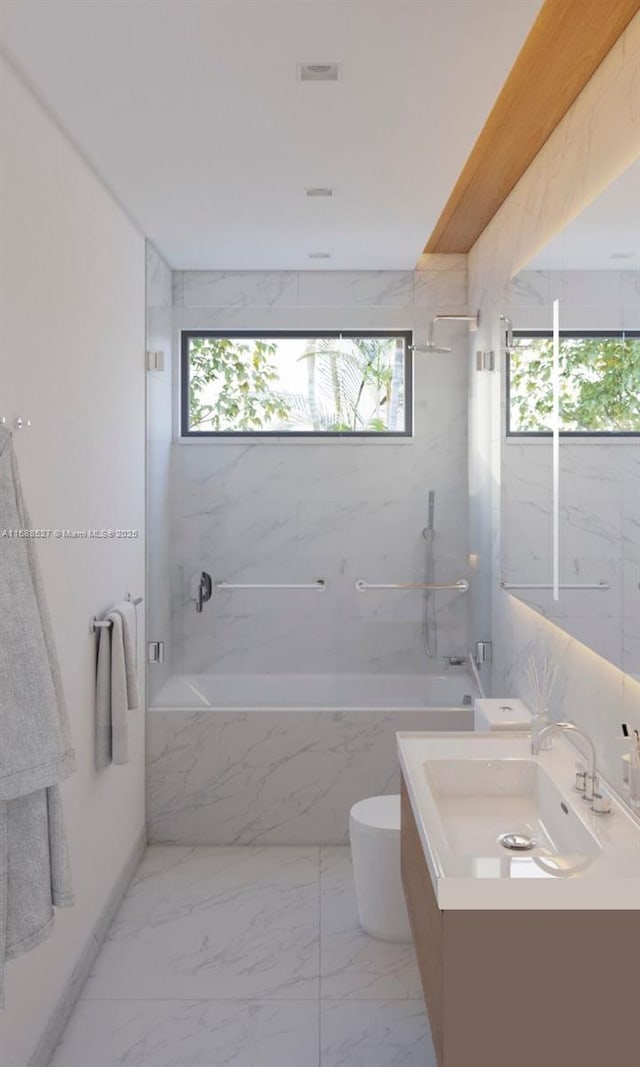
(344, 384)
(599, 383)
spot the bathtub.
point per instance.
(311, 691)
(280, 759)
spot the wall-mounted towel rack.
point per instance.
(319, 585)
(363, 586)
(601, 586)
(97, 624)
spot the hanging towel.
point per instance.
(127, 612)
(35, 742)
(103, 749)
(116, 685)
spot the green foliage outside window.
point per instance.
(243, 375)
(324, 385)
(599, 385)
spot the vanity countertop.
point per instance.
(466, 790)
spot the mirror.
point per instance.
(593, 269)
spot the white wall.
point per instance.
(295, 510)
(598, 138)
(72, 361)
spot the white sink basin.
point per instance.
(479, 801)
(468, 790)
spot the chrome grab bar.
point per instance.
(461, 585)
(601, 586)
(319, 585)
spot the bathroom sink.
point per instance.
(493, 806)
(502, 828)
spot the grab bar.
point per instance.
(461, 585)
(602, 586)
(319, 585)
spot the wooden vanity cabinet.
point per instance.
(523, 988)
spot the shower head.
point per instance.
(429, 347)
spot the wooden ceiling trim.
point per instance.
(565, 46)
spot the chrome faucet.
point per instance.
(591, 778)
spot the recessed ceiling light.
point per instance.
(319, 190)
(319, 72)
(319, 255)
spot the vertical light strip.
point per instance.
(555, 379)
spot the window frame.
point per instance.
(526, 434)
(320, 435)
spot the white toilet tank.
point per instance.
(501, 713)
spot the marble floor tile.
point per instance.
(352, 964)
(373, 1033)
(209, 923)
(133, 1033)
(246, 957)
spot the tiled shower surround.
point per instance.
(293, 510)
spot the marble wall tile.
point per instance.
(295, 511)
(204, 288)
(347, 288)
(630, 288)
(272, 777)
(441, 290)
(450, 261)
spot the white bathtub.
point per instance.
(275, 759)
(312, 691)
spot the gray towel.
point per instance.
(103, 750)
(116, 685)
(127, 612)
(35, 741)
(35, 748)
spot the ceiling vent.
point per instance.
(320, 191)
(319, 255)
(319, 72)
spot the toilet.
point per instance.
(501, 713)
(374, 831)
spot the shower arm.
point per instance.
(451, 318)
(431, 346)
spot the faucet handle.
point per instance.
(581, 778)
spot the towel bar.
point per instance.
(461, 584)
(96, 623)
(319, 585)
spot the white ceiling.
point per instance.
(605, 236)
(191, 113)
